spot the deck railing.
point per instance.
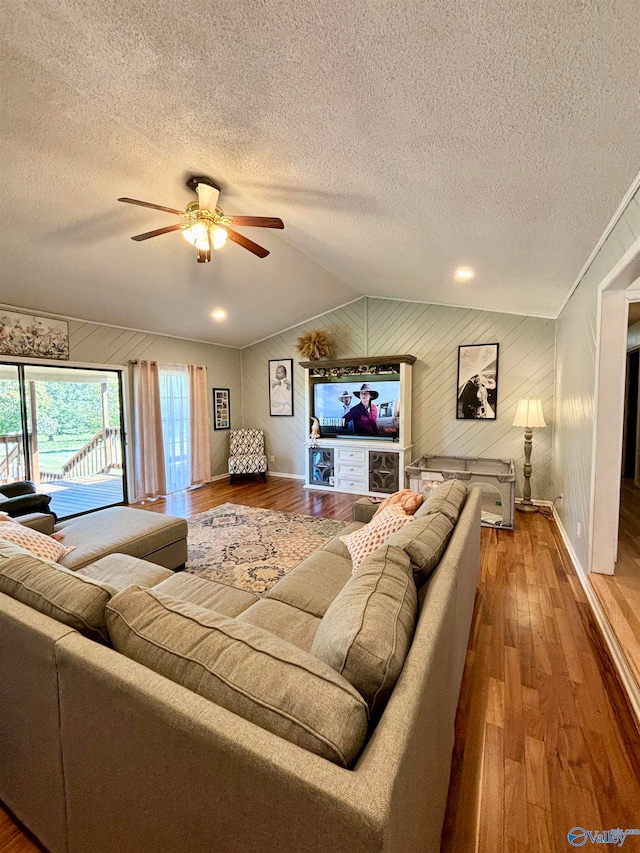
(101, 454)
(98, 456)
(11, 457)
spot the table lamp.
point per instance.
(528, 415)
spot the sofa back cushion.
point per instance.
(424, 542)
(243, 668)
(366, 633)
(55, 591)
(448, 499)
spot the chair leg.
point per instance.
(231, 479)
(264, 477)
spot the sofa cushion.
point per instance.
(55, 591)
(335, 545)
(313, 584)
(366, 633)
(242, 668)
(424, 541)
(295, 626)
(206, 593)
(118, 530)
(448, 499)
(121, 570)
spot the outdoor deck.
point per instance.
(69, 497)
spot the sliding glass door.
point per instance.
(12, 450)
(71, 432)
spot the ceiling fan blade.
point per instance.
(257, 221)
(153, 206)
(158, 232)
(243, 241)
(207, 197)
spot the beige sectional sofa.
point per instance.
(231, 723)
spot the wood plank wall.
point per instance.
(576, 384)
(432, 333)
(94, 343)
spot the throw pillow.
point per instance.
(33, 541)
(408, 500)
(363, 542)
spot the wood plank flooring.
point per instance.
(545, 740)
(619, 593)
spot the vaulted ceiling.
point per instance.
(397, 140)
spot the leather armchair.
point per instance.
(21, 498)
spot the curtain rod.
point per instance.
(164, 363)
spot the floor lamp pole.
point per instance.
(527, 505)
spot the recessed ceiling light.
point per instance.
(219, 314)
(463, 274)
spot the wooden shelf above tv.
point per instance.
(354, 362)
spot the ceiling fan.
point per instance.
(204, 224)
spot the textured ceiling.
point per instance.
(397, 140)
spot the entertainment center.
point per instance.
(363, 410)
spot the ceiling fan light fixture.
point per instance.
(197, 235)
(219, 238)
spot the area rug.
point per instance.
(253, 548)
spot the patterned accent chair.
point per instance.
(246, 453)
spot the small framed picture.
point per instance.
(221, 409)
(477, 382)
(281, 387)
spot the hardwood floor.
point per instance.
(544, 738)
(619, 593)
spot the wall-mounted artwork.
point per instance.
(38, 337)
(221, 409)
(281, 387)
(477, 382)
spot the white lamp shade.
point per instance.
(529, 414)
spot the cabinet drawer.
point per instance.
(351, 469)
(348, 482)
(353, 455)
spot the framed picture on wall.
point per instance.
(281, 387)
(477, 397)
(221, 409)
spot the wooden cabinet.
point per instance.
(365, 468)
(361, 466)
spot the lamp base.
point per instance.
(527, 506)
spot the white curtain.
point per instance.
(149, 469)
(199, 425)
(174, 404)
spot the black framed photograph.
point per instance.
(477, 382)
(281, 387)
(221, 409)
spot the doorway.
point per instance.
(62, 428)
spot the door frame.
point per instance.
(620, 287)
(21, 362)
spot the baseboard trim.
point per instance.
(623, 670)
(270, 473)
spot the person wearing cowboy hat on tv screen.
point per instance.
(363, 417)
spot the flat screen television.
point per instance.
(345, 410)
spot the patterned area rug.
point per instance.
(253, 548)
